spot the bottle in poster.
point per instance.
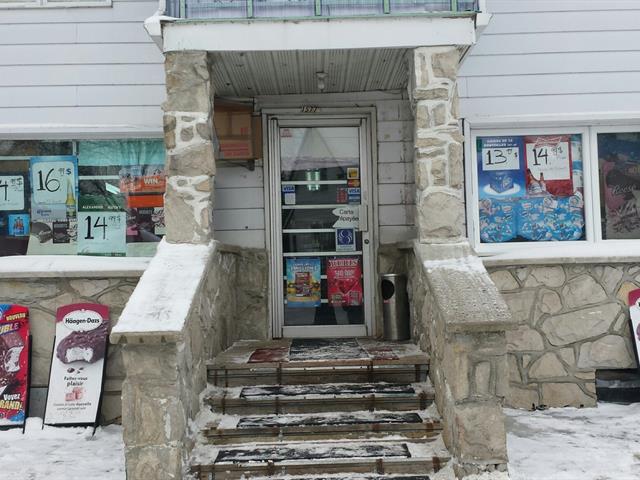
(303, 282)
(14, 364)
(344, 281)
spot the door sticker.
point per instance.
(345, 240)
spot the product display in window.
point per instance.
(619, 162)
(530, 188)
(89, 198)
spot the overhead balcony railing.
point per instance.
(229, 10)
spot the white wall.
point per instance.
(90, 67)
(239, 201)
(547, 57)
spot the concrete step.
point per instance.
(412, 425)
(353, 476)
(318, 458)
(309, 361)
(330, 372)
(336, 397)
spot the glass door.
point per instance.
(322, 239)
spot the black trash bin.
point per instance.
(395, 306)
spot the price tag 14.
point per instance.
(11, 192)
(102, 233)
(52, 180)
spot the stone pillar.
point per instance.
(440, 216)
(188, 126)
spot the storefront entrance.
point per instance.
(321, 242)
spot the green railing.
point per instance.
(284, 9)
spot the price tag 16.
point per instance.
(11, 192)
(102, 233)
(51, 180)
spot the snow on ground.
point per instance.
(61, 453)
(575, 444)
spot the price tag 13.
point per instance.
(11, 192)
(506, 158)
(51, 180)
(102, 233)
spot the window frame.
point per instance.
(28, 4)
(591, 208)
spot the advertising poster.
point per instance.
(101, 227)
(344, 283)
(54, 190)
(549, 165)
(634, 314)
(620, 178)
(14, 364)
(143, 187)
(77, 365)
(303, 282)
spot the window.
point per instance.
(81, 197)
(538, 186)
(53, 3)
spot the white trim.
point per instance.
(554, 120)
(319, 34)
(53, 266)
(77, 132)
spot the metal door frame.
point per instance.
(272, 121)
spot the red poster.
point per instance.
(14, 364)
(344, 281)
(549, 165)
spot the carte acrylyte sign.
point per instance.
(77, 366)
(14, 364)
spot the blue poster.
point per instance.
(501, 167)
(303, 282)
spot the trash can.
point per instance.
(395, 306)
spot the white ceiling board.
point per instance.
(251, 74)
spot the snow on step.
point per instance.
(323, 419)
(349, 476)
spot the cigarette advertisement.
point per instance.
(14, 364)
(303, 282)
(77, 366)
(344, 282)
(54, 190)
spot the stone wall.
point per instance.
(572, 320)
(43, 296)
(460, 319)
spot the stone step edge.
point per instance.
(318, 364)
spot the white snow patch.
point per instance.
(567, 444)
(62, 453)
(162, 300)
(71, 266)
(466, 264)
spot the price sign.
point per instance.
(102, 233)
(550, 157)
(11, 192)
(506, 158)
(52, 179)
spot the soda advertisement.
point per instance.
(344, 281)
(303, 282)
(77, 366)
(530, 188)
(54, 190)
(14, 364)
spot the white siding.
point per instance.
(87, 67)
(239, 196)
(548, 57)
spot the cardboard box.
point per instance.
(238, 131)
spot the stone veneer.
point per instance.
(459, 317)
(438, 144)
(573, 319)
(43, 296)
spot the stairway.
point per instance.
(319, 410)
